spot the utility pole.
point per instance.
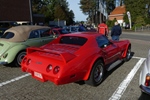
(31, 15)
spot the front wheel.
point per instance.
(19, 58)
(97, 74)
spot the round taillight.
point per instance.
(28, 61)
(56, 69)
(49, 68)
(24, 60)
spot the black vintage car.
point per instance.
(4, 25)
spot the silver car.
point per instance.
(144, 80)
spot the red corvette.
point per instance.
(73, 57)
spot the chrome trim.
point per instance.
(145, 89)
(3, 63)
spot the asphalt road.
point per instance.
(121, 82)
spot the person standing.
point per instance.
(103, 28)
(81, 28)
(116, 31)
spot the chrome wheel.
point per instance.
(98, 73)
(128, 54)
(19, 58)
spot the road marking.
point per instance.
(136, 57)
(13, 80)
(112, 98)
(124, 84)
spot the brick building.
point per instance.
(118, 13)
(18, 10)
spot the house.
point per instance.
(118, 13)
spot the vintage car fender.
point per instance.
(95, 58)
(125, 52)
(145, 70)
(14, 51)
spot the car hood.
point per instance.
(4, 46)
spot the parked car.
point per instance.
(59, 31)
(74, 57)
(144, 79)
(8, 24)
(54, 26)
(14, 41)
(127, 26)
(4, 25)
(73, 29)
(2, 30)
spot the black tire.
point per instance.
(19, 58)
(96, 75)
(128, 54)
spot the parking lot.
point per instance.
(120, 83)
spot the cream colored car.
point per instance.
(14, 41)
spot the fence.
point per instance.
(143, 28)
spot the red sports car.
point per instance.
(74, 57)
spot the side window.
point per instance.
(44, 32)
(34, 34)
(102, 41)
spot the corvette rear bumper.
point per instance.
(44, 77)
(145, 89)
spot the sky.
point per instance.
(74, 6)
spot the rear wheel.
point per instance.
(128, 54)
(96, 75)
(19, 57)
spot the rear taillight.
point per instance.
(49, 68)
(24, 60)
(56, 69)
(147, 80)
(28, 61)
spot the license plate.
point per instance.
(39, 75)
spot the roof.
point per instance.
(117, 13)
(22, 32)
(84, 34)
(118, 10)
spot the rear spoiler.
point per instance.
(66, 56)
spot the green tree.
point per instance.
(137, 9)
(110, 5)
(88, 7)
(53, 10)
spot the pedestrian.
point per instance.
(116, 31)
(103, 28)
(81, 28)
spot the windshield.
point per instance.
(63, 31)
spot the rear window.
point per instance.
(73, 40)
(63, 31)
(8, 35)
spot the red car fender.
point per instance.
(125, 52)
(97, 57)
